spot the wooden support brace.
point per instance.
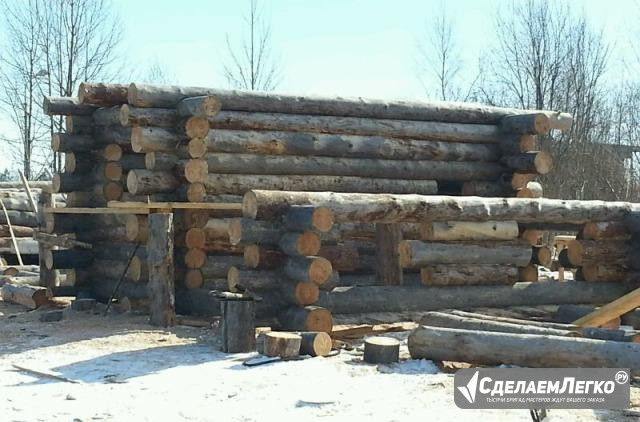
(161, 286)
(388, 238)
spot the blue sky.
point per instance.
(328, 47)
(333, 47)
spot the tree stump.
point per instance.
(381, 350)
(284, 345)
(315, 344)
(238, 325)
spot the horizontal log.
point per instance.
(65, 142)
(527, 350)
(20, 218)
(305, 243)
(349, 300)
(56, 106)
(301, 218)
(468, 275)
(385, 208)
(134, 116)
(239, 183)
(511, 144)
(155, 139)
(487, 188)
(607, 272)
(150, 182)
(198, 106)
(581, 252)
(308, 318)
(465, 230)
(255, 256)
(101, 94)
(337, 145)
(32, 297)
(417, 254)
(18, 231)
(447, 320)
(534, 162)
(359, 167)
(68, 258)
(605, 230)
(160, 161)
(26, 246)
(246, 231)
(114, 134)
(531, 124)
(169, 96)
(427, 130)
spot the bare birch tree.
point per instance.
(550, 58)
(439, 59)
(251, 64)
(53, 46)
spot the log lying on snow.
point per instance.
(417, 254)
(349, 300)
(528, 350)
(466, 322)
(468, 230)
(386, 208)
(359, 167)
(30, 296)
(169, 96)
(308, 318)
(464, 275)
(335, 145)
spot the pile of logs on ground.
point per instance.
(489, 340)
(19, 221)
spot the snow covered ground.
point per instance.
(127, 371)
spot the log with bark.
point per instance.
(604, 230)
(308, 318)
(357, 167)
(52, 106)
(528, 350)
(467, 230)
(417, 254)
(336, 145)
(101, 94)
(156, 139)
(238, 184)
(350, 300)
(169, 96)
(534, 162)
(467, 275)
(582, 252)
(30, 296)
(529, 124)
(68, 258)
(388, 208)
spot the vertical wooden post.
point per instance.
(238, 325)
(48, 278)
(161, 285)
(388, 238)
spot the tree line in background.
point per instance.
(548, 57)
(545, 57)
